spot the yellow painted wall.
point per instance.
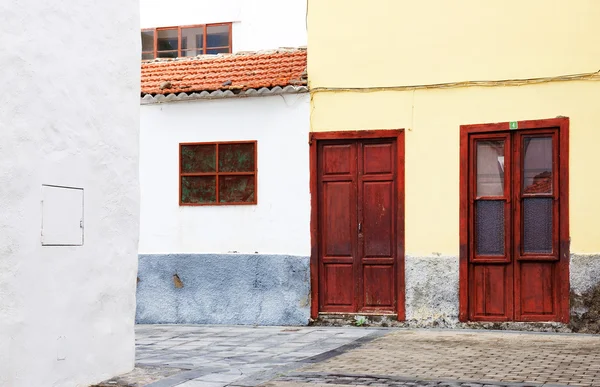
(402, 43)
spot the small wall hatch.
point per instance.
(62, 216)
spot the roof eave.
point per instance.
(149, 99)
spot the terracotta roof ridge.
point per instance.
(230, 72)
(279, 50)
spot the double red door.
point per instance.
(358, 225)
(514, 200)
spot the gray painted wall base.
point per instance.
(275, 290)
(223, 289)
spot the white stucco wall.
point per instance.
(258, 24)
(69, 116)
(278, 224)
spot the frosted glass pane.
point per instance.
(236, 189)
(198, 189)
(236, 157)
(490, 168)
(489, 227)
(198, 158)
(537, 165)
(537, 225)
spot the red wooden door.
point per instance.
(514, 261)
(357, 215)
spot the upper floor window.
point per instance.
(175, 42)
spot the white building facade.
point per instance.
(230, 264)
(225, 241)
(69, 224)
(246, 263)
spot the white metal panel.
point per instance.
(62, 216)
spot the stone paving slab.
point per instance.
(216, 356)
(478, 357)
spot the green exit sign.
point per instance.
(514, 125)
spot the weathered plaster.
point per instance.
(585, 293)
(584, 272)
(223, 289)
(70, 117)
(431, 289)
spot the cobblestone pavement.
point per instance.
(459, 358)
(331, 380)
(216, 356)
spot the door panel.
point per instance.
(338, 159)
(537, 293)
(377, 231)
(513, 226)
(378, 158)
(338, 225)
(536, 225)
(338, 293)
(379, 287)
(491, 296)
(357, 193)
(378, 218)
(338, 245)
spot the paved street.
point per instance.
(217, 356)
(424, 358)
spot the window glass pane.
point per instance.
(147, 40)
(147, 55)
(198, 189)
(537, 225)
(191, 53)
(167, 54)
(537, 165)
(198, 158)
(490, 168)
(236, 157)
(489, 227)
(167, 40)
(217, 36)
(214, 51)
(192, 38)
(236, 189)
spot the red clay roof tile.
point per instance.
(224, 72)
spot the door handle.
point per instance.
(359, 227)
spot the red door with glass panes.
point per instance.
(358, 225)
(516, 269)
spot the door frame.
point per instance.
(562, 123)
(313, 139)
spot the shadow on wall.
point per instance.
(223, 289)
